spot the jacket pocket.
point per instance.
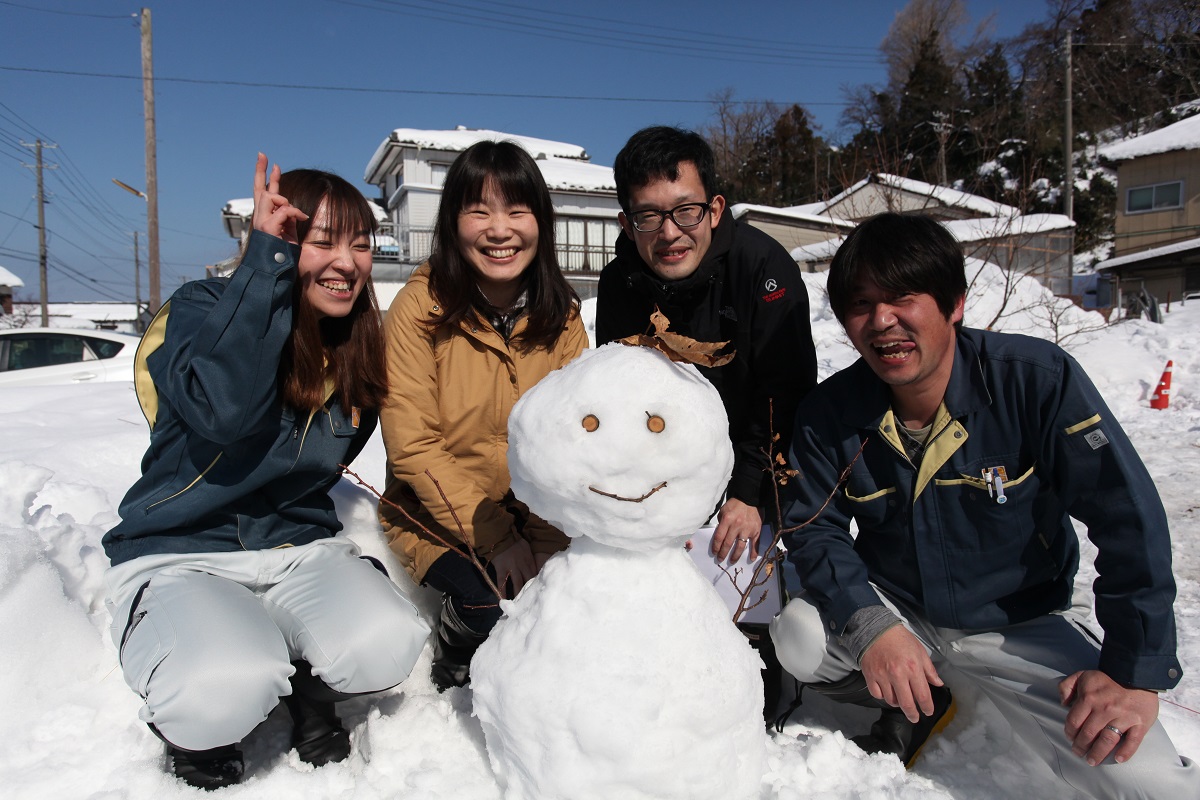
(180, 492)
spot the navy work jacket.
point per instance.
(934, 535)
(229, 466)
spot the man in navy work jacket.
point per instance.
(979, 448)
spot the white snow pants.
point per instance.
(207, 639)
(1018, 668)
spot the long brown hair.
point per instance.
(515, 176)
(348, 350)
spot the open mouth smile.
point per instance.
(894, 351)
(662, 485)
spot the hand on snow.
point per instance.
(273, 213)
(898, 672)
(516, 564)
(738, 525)
(1097, 702)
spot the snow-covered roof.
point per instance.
(741, 209)
(817, 208)
(10, 280)
(817, 252)
(942, 194)
(964, 230)
(975, 230)
(1182, 135)
(90, 312)
(567, 175)
(1154, 252)
(459, 139)
(244, 207)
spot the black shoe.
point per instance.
(208, 769)
(317, 732)
(894, 734)
(453, 648)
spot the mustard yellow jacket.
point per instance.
(451, 392)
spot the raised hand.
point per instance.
(273, 213)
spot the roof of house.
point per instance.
(797, 213)
(975, 230)
(1146, 255)
(1182, 135)
(9, 279)
(459, 139)
(964, 230)
(942, 194)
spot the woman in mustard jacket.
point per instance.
(485, 319)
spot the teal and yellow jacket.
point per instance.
(230, 467)
(935, 536)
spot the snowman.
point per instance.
(618, 672)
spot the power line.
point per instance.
(65, 13)
(362, 90)
(624, 37)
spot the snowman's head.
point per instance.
(622, 446)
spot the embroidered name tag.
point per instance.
(1096, 439)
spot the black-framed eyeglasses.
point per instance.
(688, 215)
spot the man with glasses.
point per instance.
(716, 280)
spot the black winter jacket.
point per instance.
(747, 291)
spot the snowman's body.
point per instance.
(618, 673)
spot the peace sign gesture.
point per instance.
(273, 213)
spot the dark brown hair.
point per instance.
(349, 349)
(512, 172)
(900, 253)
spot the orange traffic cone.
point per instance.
(1162, 395)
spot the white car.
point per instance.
(57, 356)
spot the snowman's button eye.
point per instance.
(591, 422)
(655, 423)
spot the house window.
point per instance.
(437, 173)
(1154, 198)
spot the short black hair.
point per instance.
(899, 253)
(655, 153)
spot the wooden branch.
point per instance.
(772, 556)
(469, 555)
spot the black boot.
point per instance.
(452, 649)
(772, 673)
(892, 732)
(317, 732)
(208, 769)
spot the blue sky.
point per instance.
(586, 73)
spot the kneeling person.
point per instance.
(979, 449)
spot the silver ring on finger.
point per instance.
(745, 539)
(1114, 729)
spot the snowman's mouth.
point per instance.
(662, 485)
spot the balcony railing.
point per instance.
(409, 245)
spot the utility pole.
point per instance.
(41, 226)
(151, 164)
(1068, 140)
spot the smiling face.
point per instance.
(621, 446)
(499, 240)
(334, 266)
(672, 252)
(905, 339)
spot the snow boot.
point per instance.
(453, 648)
(892, 732)
(208, 769)
(772, 672)
(317, 733)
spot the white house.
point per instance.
(8, 282)
(410, 166)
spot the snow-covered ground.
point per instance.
(69, 724)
